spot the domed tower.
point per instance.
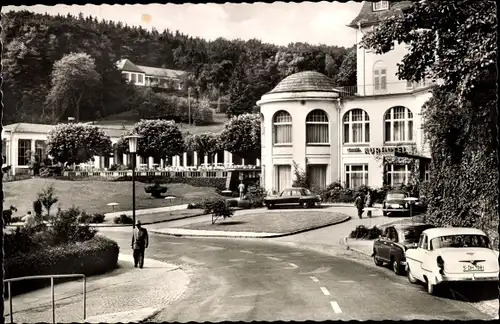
(300, 124)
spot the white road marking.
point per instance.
(248, 252)
(336, 307)
(325, 291)
(372, 275)
(212, 248)
(273, 258)
(346, 281)
(314, 279)
(175, 243)
(236, 260)
(251, 261)
(319, 270)
(293, 265)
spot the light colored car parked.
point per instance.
(451, 254)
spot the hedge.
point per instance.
(95, 256)
(219, 183)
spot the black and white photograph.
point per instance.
(279, 161)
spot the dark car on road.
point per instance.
(293, 196)
(391, 246)
(395, 203)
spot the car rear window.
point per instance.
(412, 234)
(307, 192)
(396, 196)
(459, 241)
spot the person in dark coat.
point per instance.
(369, 203)
(140, 242)
(359, 205)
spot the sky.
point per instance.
(279, 22)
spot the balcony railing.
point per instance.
(390, 88)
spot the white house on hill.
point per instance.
(148, 76)
(348, 134)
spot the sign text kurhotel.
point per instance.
(379, 150)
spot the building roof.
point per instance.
(126, 65)
(368, 17)
(160, 72)
(445, 231)
(305, 81)
(109, 130)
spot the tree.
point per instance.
(204, 144)
(74, 80)
(77, 143)
(455, 44)
(48, 198)
(347, 71)
(161, 138)
(241, 136)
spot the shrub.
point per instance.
(196, 182)
(362, 232)
(196, 205)
(95, 256)
(219, 207)
(50, 171)
(97, 218)
(301, 177)
(123, 219)
(156, 190)
(66, 226)
(94, 218)
(256, 196)
(202, 116)
(114, 167)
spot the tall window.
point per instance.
(4, 151)
(356, 175)
(140, 78)
(398, 125)
(283, 177)
(282, 123)
(397, 174)
(317, 175)
(427, 172)
(380, 5)
(23, 152)
(317, 127)
(356, 126)
(40, 150)
(380, 79)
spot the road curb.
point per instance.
(270, 235)
(147, 223)
(350, 248)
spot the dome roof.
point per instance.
(305, 81)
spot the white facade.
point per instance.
(382, 115)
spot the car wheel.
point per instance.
(377, 261)
(396, 267)
(410, 276)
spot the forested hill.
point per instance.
(239, 70)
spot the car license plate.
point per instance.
(471, 267)
(394, 206)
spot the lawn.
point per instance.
(272, 222)
(93, 196)
(162, 217)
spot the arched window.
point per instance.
(262, 128)
(398, 125)
(282, 126)
(317, 127)
(379, 77)
(356, 127)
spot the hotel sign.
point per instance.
(354, 150)
(385, 149)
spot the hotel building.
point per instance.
(346, 134)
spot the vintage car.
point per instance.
(451, 254)
(297, 196)
(395, 202)
(397, 239)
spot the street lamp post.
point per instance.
(132, 147)
(189, 107)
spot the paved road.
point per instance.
(259, 280)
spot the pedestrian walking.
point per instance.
(241, 188)
(359, 205)
(369, 203)
(140, 242)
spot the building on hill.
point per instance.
(369, 134)
(148, 76)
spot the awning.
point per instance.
(412, 156)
